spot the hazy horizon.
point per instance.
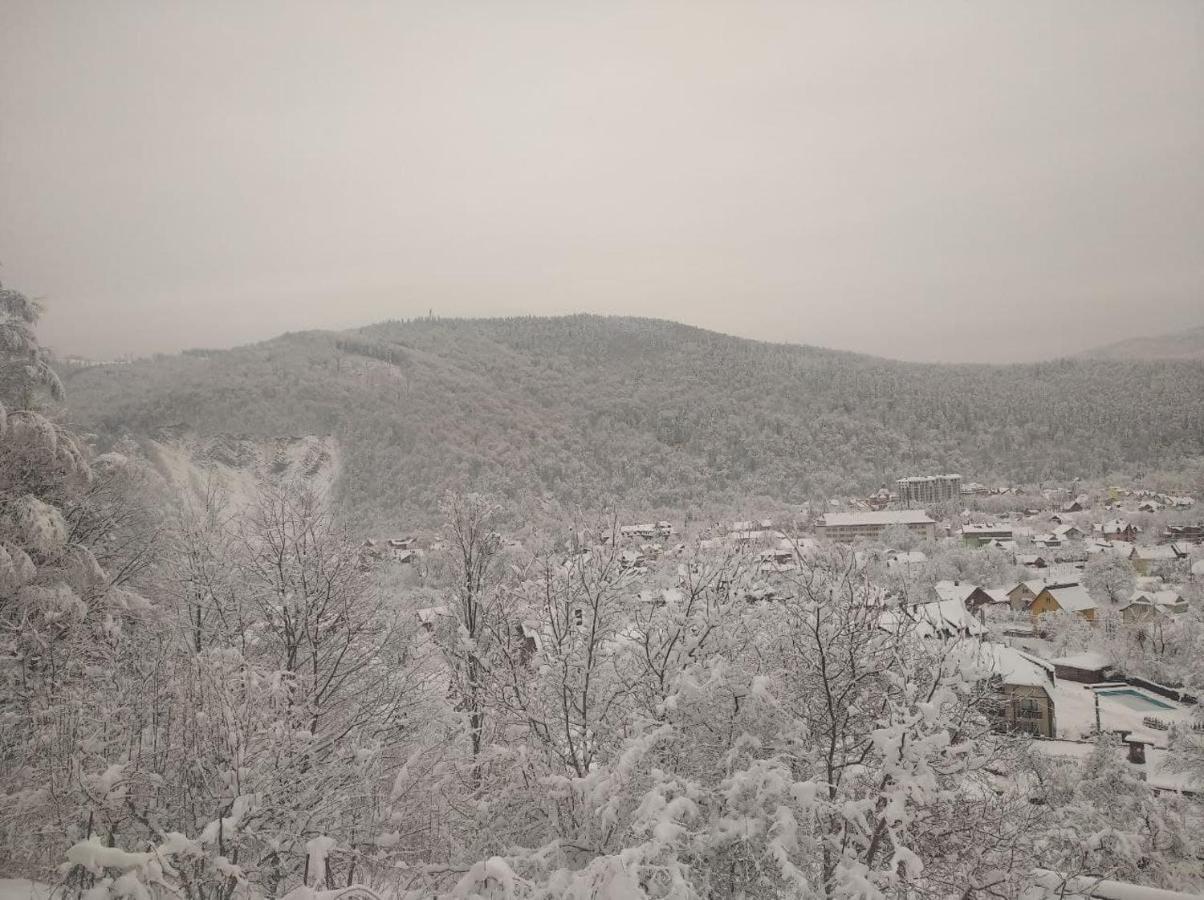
(938, 183)
(1069, 352)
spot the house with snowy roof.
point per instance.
(1024, 593)
(1025, 684)
(1148, 606)
(1193, 533)
(1087, 668)
(970, 596)
(943, 619)
(1117, 530)
(1143, 558)
(1070, 598)
(1048, 539)
(1068, 532)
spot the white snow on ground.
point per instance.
(23, 889)
(237, 465)
(1158, 769)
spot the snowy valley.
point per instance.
(222, 681)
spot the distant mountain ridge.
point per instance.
(1187, 344)
(576, 412)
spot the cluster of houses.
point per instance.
(1067, 701)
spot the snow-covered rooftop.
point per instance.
(1018, 668)
(953, 591)
(1072, 598)
(987, 528)
(881, 517)
(1090, 660)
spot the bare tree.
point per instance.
(473, 574)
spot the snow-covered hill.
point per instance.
(1181, 345)
(577, 412)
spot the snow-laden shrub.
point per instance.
(78, 567)
(16, 568)
(30, 430)
(54, 604)
(34, 525)
(39, 457)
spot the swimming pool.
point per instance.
(1136, 700)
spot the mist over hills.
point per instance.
(1187, 344)
(576, 412)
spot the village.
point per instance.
(1083, 604)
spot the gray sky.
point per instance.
(935, 181)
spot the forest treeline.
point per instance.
(584, 411)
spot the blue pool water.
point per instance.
(1136, 700)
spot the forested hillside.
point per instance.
(1181, 345)
(585, 410)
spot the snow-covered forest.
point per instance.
(577, 413)
(212, 699)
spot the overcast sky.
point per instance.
(933, 181)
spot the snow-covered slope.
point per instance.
(236, 465)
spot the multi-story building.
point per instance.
(983, 533)
(920, 490)
(849, 527)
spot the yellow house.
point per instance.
(1071, 598)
